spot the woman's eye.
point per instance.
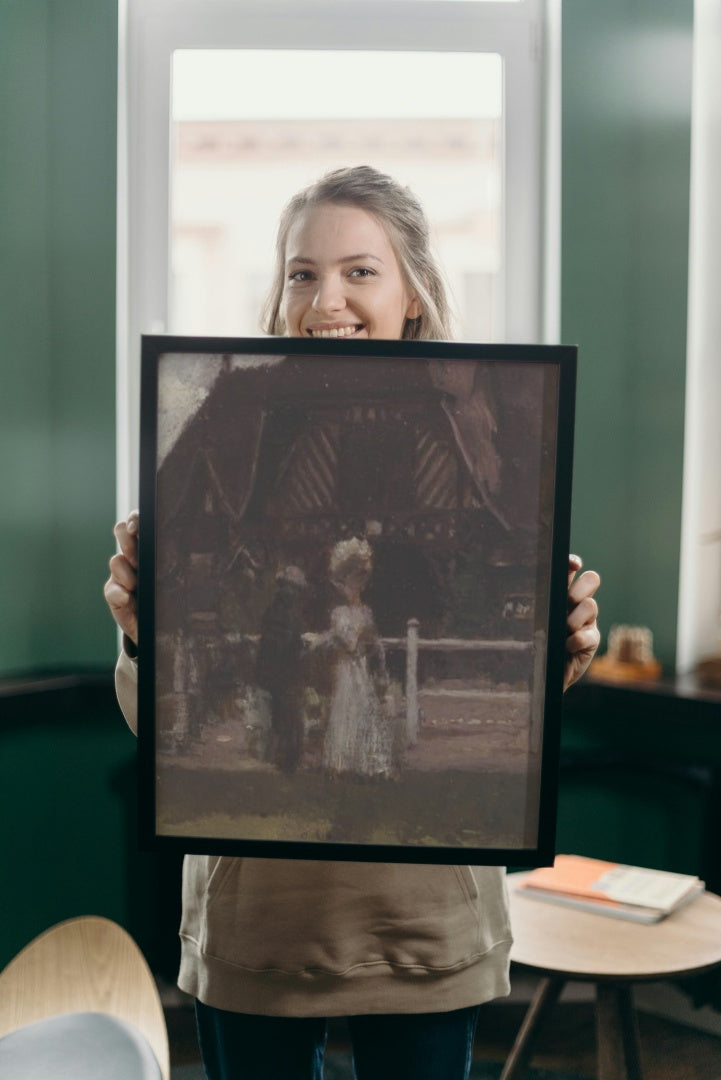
(300, 276)
(362, 272)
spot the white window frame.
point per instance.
(526, 34)
(699, 596)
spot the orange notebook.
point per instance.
(631, 892)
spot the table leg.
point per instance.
(545, 997)
(617, 1033)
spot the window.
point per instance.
(227, 107)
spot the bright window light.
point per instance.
(222, 84)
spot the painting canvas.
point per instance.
(353, 573)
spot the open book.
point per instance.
(608, 888)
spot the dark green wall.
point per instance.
(68, 803)
(641, 777)
(58, 73)
(66, 760)
(625, 201)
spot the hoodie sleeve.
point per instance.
(126, 688)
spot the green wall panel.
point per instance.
(58, 76)
(82, 205)
(626, 146)
(25, 400)
(69, 798)
(70, 847)
(641, 778)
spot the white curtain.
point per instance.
(700, 584)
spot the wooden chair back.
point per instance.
(87, 964)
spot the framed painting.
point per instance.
(352, 597)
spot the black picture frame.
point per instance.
(353, 568)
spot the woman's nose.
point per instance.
(329, 296)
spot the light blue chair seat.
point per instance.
(79, 1002)
(78, 1046)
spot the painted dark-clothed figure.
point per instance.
(279, 668)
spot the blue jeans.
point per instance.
(415, 1046)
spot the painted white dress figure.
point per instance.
(359, 735)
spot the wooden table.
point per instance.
(563, 944)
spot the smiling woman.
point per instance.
(272, 946)
(331, 292)
(353, 259)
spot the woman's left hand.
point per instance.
(582, 633)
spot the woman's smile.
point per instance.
(335, 331)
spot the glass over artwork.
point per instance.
(350, 597)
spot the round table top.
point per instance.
(559, 940)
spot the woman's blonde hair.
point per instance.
(403, 217)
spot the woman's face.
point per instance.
(342, 277)
(353, 582)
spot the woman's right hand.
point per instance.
(121, 587)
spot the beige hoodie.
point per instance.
(285, 937)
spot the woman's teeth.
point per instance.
(337, 331)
